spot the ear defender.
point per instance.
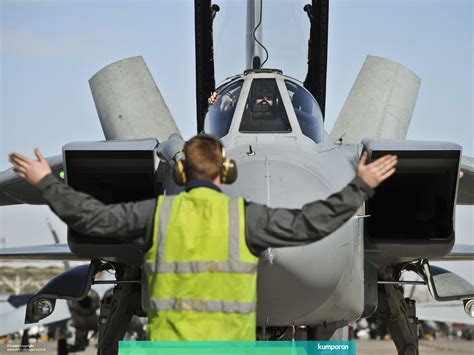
(228, 172)
(179, 175)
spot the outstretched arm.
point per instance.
(280, 227)
(81, 211)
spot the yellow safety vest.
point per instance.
(202, 278)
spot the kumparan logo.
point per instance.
(333, 347)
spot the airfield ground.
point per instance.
(372, 347)
(438, 347)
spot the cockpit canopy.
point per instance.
(264, 110)
(307, 111)
(219, 115)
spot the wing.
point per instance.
(40, 252)
(14, 190)
(450, 312)
(458, 253)
(466, 184)
(380, 103)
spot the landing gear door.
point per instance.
(445, 285)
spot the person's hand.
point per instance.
(379, 170)
(29, 169)
(213, 98)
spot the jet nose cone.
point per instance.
(278, 183)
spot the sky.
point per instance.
(50, 49)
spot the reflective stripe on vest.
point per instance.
(186, 304)
(233, 265)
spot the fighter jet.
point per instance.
(273, 126)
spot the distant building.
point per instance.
(25, 279)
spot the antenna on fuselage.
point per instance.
(254, 34)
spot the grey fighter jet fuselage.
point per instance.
(286, 159)
(288, 169)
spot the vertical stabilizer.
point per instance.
(254, 53)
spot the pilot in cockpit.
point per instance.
(264, 111)
(262, 102)
(225, 102)
(261, 99)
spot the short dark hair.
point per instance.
(203, 154)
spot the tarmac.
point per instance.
(432, 347)
(363, 347)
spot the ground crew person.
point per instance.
(202, 265)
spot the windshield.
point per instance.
(264, 111)
(219, 115)
(307, 111)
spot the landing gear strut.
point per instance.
(117, 309)
(399, 316)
